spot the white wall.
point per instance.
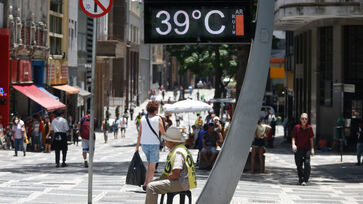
(73, 33)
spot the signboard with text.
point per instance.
(187, 21)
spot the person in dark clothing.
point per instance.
(359, 143)
(210, 140)
(75, 133)
(48, 135)
(303, 146)
(60, 128)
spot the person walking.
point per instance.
(84, 127)
(179, 173)
(60, 128)
(115, 127)
(37, 132)
(117, 111)
(359, 143)
(132, 110)
(258, 144)
(105, 126)
(138, 121)
(75, 131)
(123, 125)
(303, 146)
(149, 138)
(48, 136)
(19, 134)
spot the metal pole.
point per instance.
(92, 121)
(226, 173)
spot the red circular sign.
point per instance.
(102, 7)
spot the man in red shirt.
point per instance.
(303, 146)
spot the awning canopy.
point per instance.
(83, 92)
(38, 96)
(47, 92)
(68, 89)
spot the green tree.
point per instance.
(207, 60)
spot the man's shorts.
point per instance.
(211, 149)
(151, 152)
(85, 145)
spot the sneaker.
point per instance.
(303, 183)
(64, 164)
(85, 164)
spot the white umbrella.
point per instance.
(187, 106)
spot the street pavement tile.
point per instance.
(318, 201)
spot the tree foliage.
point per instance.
(200, 59)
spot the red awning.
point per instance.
(38, 96)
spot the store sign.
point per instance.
(2, 92)
(57, 73)
(189, 21)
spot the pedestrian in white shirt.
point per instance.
(60, 128)
(123, 125)
(18, 135)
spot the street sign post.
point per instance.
(90, 8)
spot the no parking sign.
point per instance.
(95, 8)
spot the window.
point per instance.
(55, 46)
(55, 24)
(353, 53)
(82, 42)
(56, 6)
(326, 65)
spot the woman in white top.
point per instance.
(149, 140)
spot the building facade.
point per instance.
(324, 53)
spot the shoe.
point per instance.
(303, 183)
(85, 164)
(24, 154)
(357, 164)
(15, 155)
(57, 165)
(143, 187)
(64, 164)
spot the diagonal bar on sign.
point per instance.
(100, 5)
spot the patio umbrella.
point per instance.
(187, 106)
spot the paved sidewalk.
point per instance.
(34, 178)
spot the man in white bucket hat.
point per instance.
(179, 172)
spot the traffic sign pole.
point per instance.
(90, 8)
(92, 125)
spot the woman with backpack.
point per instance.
(149, 138)
(115, 127)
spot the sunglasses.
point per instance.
(303, 118)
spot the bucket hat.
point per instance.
(173, 134)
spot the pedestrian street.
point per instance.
(35, 179)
